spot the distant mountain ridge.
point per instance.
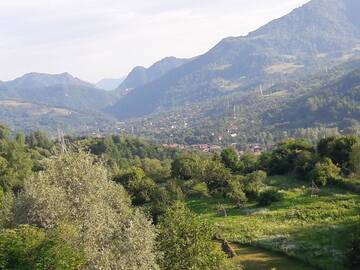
(110, 84)
(44, 80)
(140, 75)
(320, 34)
(61, 90)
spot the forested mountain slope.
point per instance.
(140, 75)
(312, 38)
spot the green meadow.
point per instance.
(315, 228)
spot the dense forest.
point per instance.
(124, 203)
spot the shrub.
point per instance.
(270, 196)
(137, 184)
(28, 247)
(230, 159)
(6, 204)
(323, 172)
(200, 189)
(186, 241)
(253, 183)
(236, 193)
(305, 163)
(283, 157)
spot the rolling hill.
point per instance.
(62, 90)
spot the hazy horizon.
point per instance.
(93, 40)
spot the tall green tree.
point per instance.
(15, 164)
(285, 154)
(355, 159)
(338, 149)
(31, 248)
(76, 189)
(139, 186)
(230, 159)
(186, 241)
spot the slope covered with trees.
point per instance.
(319, 34)
(122, 203)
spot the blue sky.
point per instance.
(94, 39)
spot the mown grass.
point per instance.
(315, 229)
(252, 258)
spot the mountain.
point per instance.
(109, 84)
(312, 38)
(335, 102)
(140, 75)
(26, 117)
(39, 80)
(61, 90)
(323, 104)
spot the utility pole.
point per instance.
(61, 141)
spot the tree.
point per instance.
(216, 176)
(76, 189)
(186, 241)
(38, 139)
(158, 170)
(28, 248)
(355, 158)
(4, 132)
(304, 163)
(236, 192)
(163, 197)
(15, 164)
(285, 154)
(338, 149)
(230, 159)
(324, 171)
(247, 163)
(253, 183)
(137, 184)
(6, 204)
(185, 167)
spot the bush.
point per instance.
(270, 196)
(137, 184)
(29, 247)
(323, 172)
(305, 163)
(230, 159)
(200, 189)
(338, 149)
(284, 156)
(6, 204)
(186, 241)
(253, 183)
(236, 193)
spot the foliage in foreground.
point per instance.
(186, 241)
(29, 247)
(75, 189)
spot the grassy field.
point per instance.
(252, 258)
(314, 229)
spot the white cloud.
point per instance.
(106, 38)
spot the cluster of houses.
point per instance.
(210, 148)
(199, 147)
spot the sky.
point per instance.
(95, 39)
